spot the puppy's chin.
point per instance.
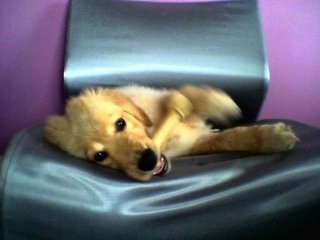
(140, 176)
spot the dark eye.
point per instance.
(100, 156)
(120, 124)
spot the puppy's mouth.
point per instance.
(163, 166)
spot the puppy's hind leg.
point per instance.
(256, 139)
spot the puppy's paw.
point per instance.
(211, 103)
(224, 109)
(277, 137)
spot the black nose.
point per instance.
(148, 160)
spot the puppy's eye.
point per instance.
(100, 156)
(120, 124)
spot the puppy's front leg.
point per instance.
(257, 139)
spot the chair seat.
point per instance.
(217, 196)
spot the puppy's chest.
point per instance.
(171, 144)
(176, 146)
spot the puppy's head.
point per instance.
(105, 127)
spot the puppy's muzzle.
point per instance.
(149, 161)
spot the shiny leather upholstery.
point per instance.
(46, 194)
(49, 195)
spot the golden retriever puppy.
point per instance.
(114, 128)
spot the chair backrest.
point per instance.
(165, 44)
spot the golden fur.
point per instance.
(90, 130)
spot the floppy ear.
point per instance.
(129, 106)
(137, 112)
(57, 131)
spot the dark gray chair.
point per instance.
(46, 194)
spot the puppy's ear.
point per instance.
(128, 105)
(57, 131)
(139, 114)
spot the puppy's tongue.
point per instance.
(163, 166)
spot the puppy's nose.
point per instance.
(148, 160)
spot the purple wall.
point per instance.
(31, 50)
(292, 36)
(31, 61)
